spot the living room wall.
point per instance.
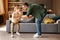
(56, 7)
(48, 3)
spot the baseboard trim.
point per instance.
(42, 32)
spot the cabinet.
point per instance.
(8, 6)
(3, 17)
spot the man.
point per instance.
(39, 12)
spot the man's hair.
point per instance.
(42, 5)
(26, 4)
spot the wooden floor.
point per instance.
(28, 36)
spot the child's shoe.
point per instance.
(18, 33)
(12, 35)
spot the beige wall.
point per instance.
(46, 2)
(51, 4)
(56, 6)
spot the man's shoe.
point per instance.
(36, 35)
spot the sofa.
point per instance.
(30, 25)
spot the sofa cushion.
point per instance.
(56, 18)
(50, 15)
(30, 20)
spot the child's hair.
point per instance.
(17, 7)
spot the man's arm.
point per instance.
(29, 11)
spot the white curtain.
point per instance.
(1, 7)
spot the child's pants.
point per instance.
(17, 27)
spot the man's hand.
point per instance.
(25, 17)
(30, 16)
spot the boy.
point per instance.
(16, 16)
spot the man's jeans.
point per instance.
(38, 26)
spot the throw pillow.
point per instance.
(48, 20)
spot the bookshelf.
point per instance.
(12, 3)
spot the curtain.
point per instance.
(1, 7)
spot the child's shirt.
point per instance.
(16, 17)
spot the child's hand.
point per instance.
(25, 17)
